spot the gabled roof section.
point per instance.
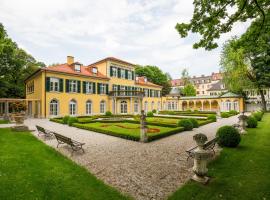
(230, 94)
(112, 59)
(142, 81)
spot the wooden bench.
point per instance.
(76, 146)
(210, 145)
(43, 131)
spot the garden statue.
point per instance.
(201, 157)
(143, 128)
(242, 123)
(218, 114)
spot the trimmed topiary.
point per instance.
(154, 111)
(228, 136)
(150, 114)
(108, 113)
(72, 120)
(194, 122)
(65, 119)
(186, 124)
(212, 117)
(233, 112)
(258, 116)
(225, 115)
(252, 122)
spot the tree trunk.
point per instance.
(263, 100)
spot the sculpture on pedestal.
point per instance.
(143, 127)
(242, 123)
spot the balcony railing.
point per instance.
(126, 93)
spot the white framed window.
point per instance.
(54, 107)
(77, 67)
(129, 75)
(122, 73)
(146, 92)
(54, 84)
(89, 87)
(136, 106)
(158, 106)
(89, 107)
(72, 107)
(102, 107)
(114, 72)
(115, 88)
(152, 105)
(102, 88)
(123, 107)
(153, 93)
(73, 86)
(145, 106)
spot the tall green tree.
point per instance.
(185, 76)
(15, 66)
(155, 75)
(213, 18)
(189, 90)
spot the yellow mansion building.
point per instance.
(107, 85)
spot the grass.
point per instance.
(242, 173)
(166, 120)
(31, 170)
(2, 121)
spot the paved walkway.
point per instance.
(145, 171)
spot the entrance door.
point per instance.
(123, 107)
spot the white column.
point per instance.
(210, 105)
(202, 105)
(131, 112)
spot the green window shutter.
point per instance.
(113, 87)
(98, 89)
(84, 87)
(94, 88)
(132, 73)
(148, 92)
(107, 88)
(118, 72)
(119, 87)
(47, 83)
(111, 71)
(79, 86)
(126, 73)
(61, 85)
(67, 85)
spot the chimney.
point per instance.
(70, 60)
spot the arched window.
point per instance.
(102, 107)
(89, 107)
(72, 107)
(152, 105)
(136, 106)
(54, 107)
(169, 105)
(145, 106)
(123, 107)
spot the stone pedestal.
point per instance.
(143, 128)
(242, 123)
(201, 157)
(218, 114)
(19, 119)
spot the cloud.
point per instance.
(140, 31)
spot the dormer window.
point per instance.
(77, 68)
(94, 70)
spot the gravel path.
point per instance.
(145, 171)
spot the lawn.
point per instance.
(31, 170)
(242, 173)
(2, 121)
(128, 130)
(167, 120)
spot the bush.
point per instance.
(186, 123)
(65, 119)
(150, 114)
(228, 136)
(212, 117)
(108, 113)
(72, 120)
(258, 116)
(225, 115)
(252, 122)
(233, 112)
(194, 122)
(154, 111)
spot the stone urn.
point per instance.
(19, 119)
(201, 158)
(242, 123)
(143, 127)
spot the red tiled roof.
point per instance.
(177, 82)
(140, 81)
(65, 68)
(111, 59)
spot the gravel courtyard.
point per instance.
(144, 171)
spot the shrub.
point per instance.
(233, 112)
(65, 119)
(258, 116)
(212, 117)
(252, 122)
(228, 136)
(150, 114)
(186, 123)
(196, 111)
(154, 111)
(72, 120)
(108, 113)
(188, 110)
(194, 122)
(225, 115)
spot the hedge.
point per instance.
(57, 120)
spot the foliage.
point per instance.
(185, 76)
(4, 121)
(189, 90)
(31, 169)
(186, 123)
(213, 18)
(194, 122)
(225, 115)
(65, 119)
(252, 122)
(228, 136)
(15, 66)
(72, 120)
(18, 106)
(150, 114)
(258, 115)
(233, 112)
(212, 117)
(154, 111)
(155, 75)
(108, 113)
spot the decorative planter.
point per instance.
(19, 119)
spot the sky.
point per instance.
(138, 31)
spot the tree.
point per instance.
(212, 18)
(185, 76)
(155, 75)
(189, 90)
(15, 66)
